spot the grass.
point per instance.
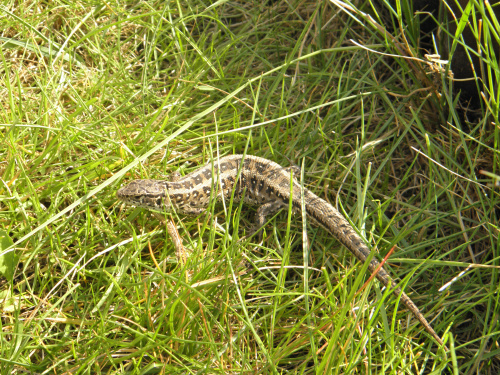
(94, 96)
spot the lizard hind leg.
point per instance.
(262, 212)
(265, 210)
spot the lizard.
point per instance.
(262, 182)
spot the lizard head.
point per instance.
(150, 194)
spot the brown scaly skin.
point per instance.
(264, 183)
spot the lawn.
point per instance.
(96, 94)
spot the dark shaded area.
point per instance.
(465, 83)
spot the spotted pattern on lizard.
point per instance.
(263, 183)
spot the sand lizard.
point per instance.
(260, 182)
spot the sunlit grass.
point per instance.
(93, 97)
